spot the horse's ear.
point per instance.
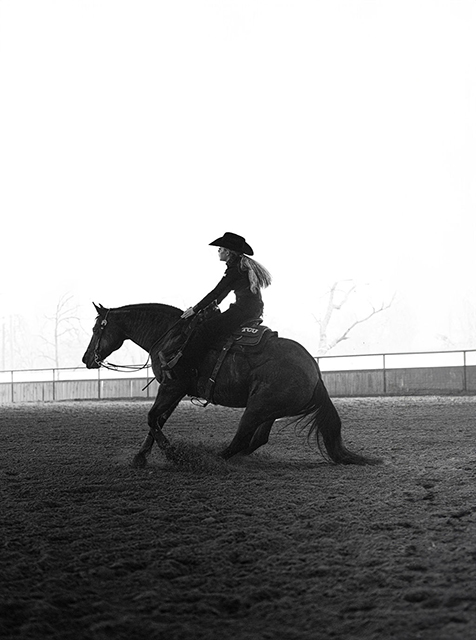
(98, 307)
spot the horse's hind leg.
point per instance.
(253, 430)
(265, 405)
(258, 438)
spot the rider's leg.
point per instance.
(206, 334)
(219, 326)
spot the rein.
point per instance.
(125, 367)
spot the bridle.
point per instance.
(102, 326)
(124, 367)
(110, 365)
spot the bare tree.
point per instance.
(338, 297)
(15, 342)
(64, 324)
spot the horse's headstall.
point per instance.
(102, 326)
(104, 320)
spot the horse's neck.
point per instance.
(145, 329)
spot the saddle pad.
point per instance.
(249, 335)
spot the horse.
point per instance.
(279, 380)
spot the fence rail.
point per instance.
(410, 373)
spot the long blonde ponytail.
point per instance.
(259, 277)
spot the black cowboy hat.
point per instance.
(233, 242)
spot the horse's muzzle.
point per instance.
(90, 362)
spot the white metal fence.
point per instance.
(405, 373)
(442, 372)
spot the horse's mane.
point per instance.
(152, 307)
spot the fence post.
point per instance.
(465, 381)
(99, 383)
(12, 386)
(384, 373)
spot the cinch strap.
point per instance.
(212, 379)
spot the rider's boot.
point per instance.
(167, 364)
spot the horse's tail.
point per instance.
(325, 425)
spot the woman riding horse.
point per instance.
(246, 278)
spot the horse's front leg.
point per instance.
(167, 400)
(155, 435)
(140, 459)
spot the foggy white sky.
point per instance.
(338, 136)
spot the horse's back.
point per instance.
(281, 368)
(286, 350)
(288, 366)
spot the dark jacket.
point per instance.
(234, 280)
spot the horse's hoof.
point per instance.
(139, 461)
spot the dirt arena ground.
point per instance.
(278, 546)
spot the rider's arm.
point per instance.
(219, 293)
